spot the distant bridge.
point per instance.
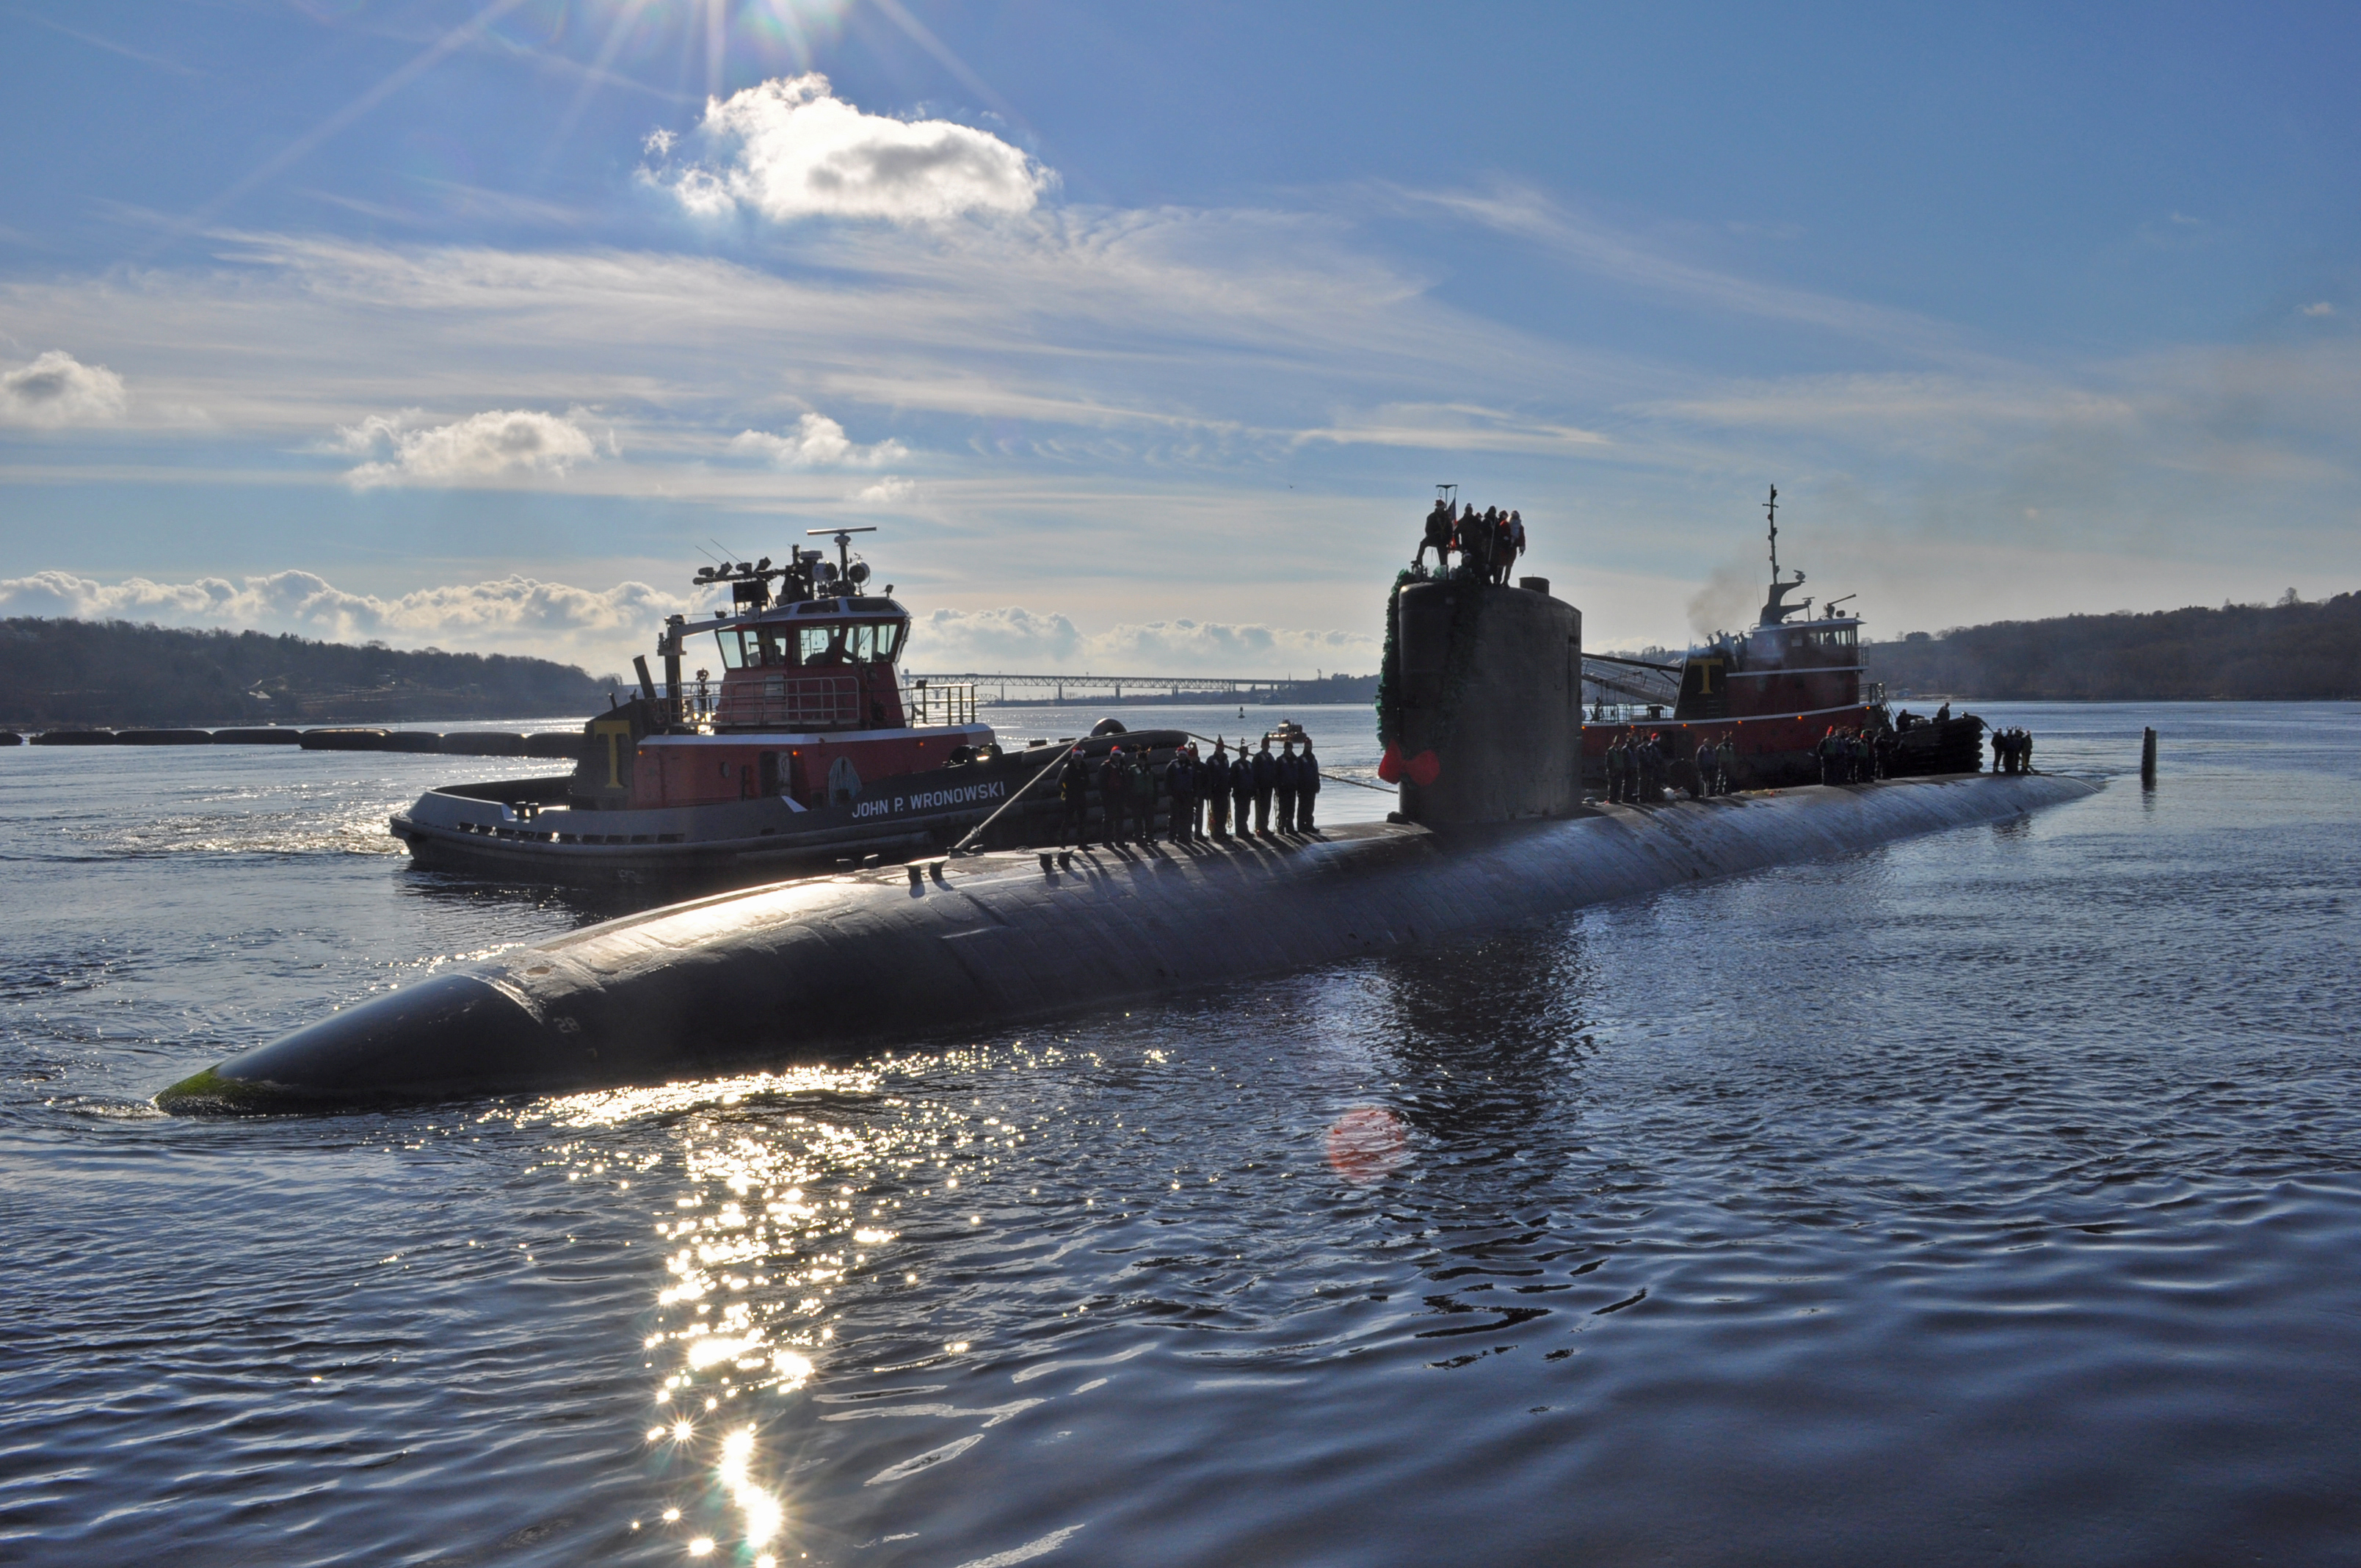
(1605, 678)
(1011, 687)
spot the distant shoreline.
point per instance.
(67, 675)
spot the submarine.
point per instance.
(1481, 705)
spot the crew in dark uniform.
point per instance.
(1705, 770)
(1284, 787)
(1266, 779)
(1143, 797)
(1214, 784)
(1438, 537)
(1074, 796)
(1307, 786)
(1615, 771)
(1475, 543)
(1631, 770)
(1503, 547)
(1727, 755)
(1115, 793)
(1180, 785)
(1242, 787)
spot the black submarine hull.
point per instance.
(808, 971)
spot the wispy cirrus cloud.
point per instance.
(1452, 427)
(1632, 261)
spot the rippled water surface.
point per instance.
(1986, 1197)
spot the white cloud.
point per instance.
(797, 150)
(891, 490)
(2322, 307)
(57, 389)
(818, 442)
(1020, 641)
(492, 445)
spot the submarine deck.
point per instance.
(817, 969)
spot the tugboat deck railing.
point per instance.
(929, 703)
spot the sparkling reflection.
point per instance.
(779, 1193)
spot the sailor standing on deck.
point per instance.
(1214, 784)
(1074, 797)
(1706, 768)
(1115, 790)
(1143, 796)
(1438, 537)
(1615, 771)
(1241, 790)
(1266, 779)
(1307, 786)
(1181, 784)
(1726, 754)
(1475, 543)
(1284, 785)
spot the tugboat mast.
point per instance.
(1771, 506)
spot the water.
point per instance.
(1989, 1197)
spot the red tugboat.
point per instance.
(809, 750)
(1775, 691)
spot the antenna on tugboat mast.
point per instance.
(842, 538)
(1771, 506)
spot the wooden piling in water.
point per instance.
(2148, 757)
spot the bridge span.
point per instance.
(1015, 688)
(1606, 678)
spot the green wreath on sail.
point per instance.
(1458, 668)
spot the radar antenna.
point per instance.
(842, 538)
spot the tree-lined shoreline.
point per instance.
(63, 673)
(2293, 650)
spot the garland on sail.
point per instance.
(1459, 665)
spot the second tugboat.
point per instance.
(1776, 693)
(810, 751)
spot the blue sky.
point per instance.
(1141, 332)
